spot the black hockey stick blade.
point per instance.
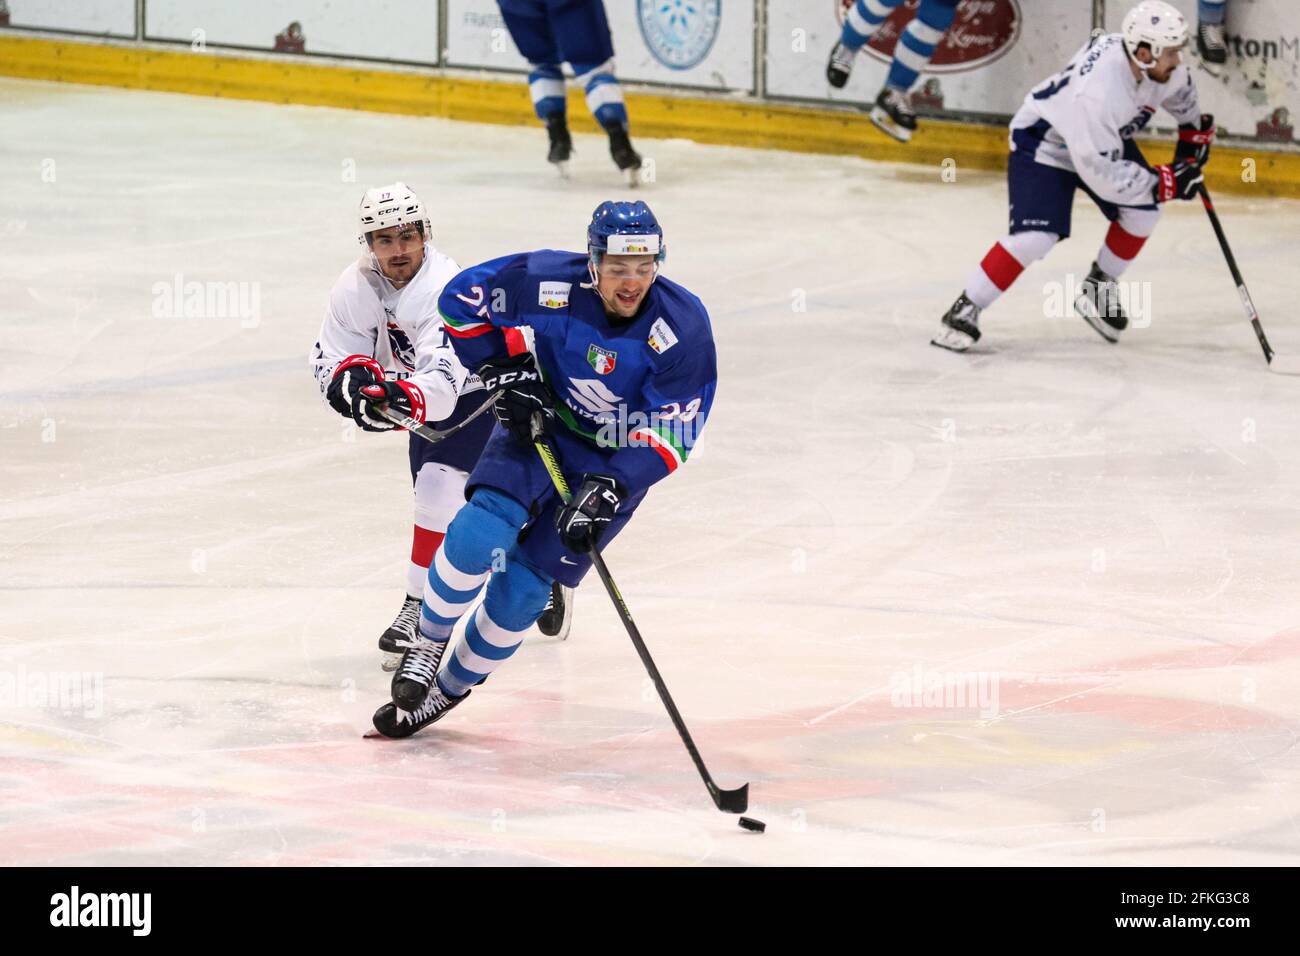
(730, 801)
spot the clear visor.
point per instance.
(626, 267)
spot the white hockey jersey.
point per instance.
(1079, 119)
(399, 328)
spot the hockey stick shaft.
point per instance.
(423, 430)
(729, 801)
(1242, 291)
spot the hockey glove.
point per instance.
(1179, 180)
(401, 397)
(522, 395)
(584, 519)
(353, 374)
(1194, 141)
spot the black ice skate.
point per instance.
(893, 114)
(961, 326)
(1098, 303)
(400, 634)
(620, 149)
(840, 65)
(561, 143)
(415, 674)
(391, 721)
(558, 616)
(1211, 45)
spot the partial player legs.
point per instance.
(515, 598)
(1099, 300)
(1000, 267)
(439, 494)
(917, 44)
(863, 20)
(860, 23)
(482, 530)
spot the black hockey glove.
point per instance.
(584, 519)
(1179, 180)
(400, 397)
(523, 396)
(353, 374)
(1194, 140)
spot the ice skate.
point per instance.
(960, 329)
(415, 674)
(400, 634)
(1211, 46)
(392, 721)
(840, 65)
(558, 616)
(625, 157)
(561, 144)
(893, 114)
(1098, 302)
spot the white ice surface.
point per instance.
(1109, 532)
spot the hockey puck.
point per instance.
(749, 823)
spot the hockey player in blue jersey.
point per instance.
(892, 112)
(620, 376)
(551, 32)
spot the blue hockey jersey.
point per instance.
(641, 389)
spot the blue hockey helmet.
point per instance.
(624, 229)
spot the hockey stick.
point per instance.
(1282, 364)
(728, 801)
(421, 429)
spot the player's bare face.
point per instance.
(1163, 68)
(400, 251)
(623, 282)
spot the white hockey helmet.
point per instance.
(386, 206)
(1155, 23)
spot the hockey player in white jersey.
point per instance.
(382, 328)
(1075, 131)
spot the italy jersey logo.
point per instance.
(602, 360)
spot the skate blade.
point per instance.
(1083, 305)
(885, 123)
(952, 340)
(562, 169)
(389, 662)
(633, 176)
(567, 623)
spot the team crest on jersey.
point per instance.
(602, 360)
(554, 295)
(400, 344)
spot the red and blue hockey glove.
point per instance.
(352, 375)
(1177, 180)
(402, 397)
(1194, 140)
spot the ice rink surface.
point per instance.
(1101, 539)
